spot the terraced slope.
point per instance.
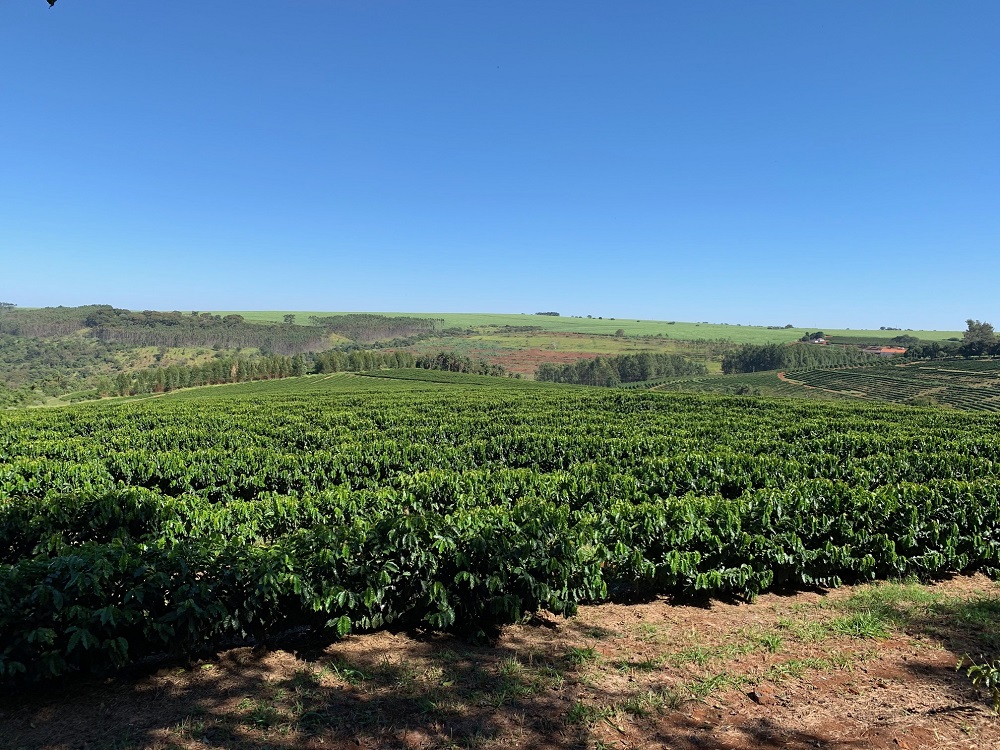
(962, 384)
(749, 384)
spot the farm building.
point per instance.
(886, 351)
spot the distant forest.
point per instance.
(174, 329)
(81, 353)
(626, 368)
(171, 329)
(761, 357)
(367, 328)
(57, 350)
(241, 370)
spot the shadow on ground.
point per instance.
(447, 694)
(543, 687)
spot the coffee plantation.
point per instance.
(352, 503)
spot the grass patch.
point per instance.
(650, 701)
(704, 686)
(579, 657)
(771, 642)
(348, 674)
(893, 602)
(980, 616)
(861, 625)
(647, 665)
(649, 632)
(797, 668)
(699, 655)
(581, 713)
(808, 631)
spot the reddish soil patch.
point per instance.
(783, 672)
(784, 378)
(526, 361)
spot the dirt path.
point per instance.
(864, 667)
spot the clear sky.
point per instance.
(817, 163)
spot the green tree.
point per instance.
(978, 339)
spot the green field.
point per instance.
(632, 327)
(445, 502)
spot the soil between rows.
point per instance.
(857, 667)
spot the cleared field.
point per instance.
(678, 329)
(523, 352)
(148, 356)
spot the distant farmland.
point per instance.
(961, 384)
(676, 330)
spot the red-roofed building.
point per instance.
(886, 351)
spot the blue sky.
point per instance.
(815, 163)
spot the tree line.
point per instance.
(452, 362)
(216, 372)
(979, 340)
(360, 360)
(243, 370)
(761, 357)
(625, 368)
